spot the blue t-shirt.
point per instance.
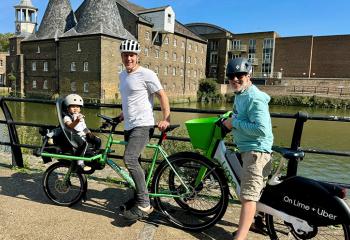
(252, 124)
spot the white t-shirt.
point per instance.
(79, 127)
(137, 89)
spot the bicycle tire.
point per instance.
(60, 192)
(191, 213)
(279, 230)
(182, 202)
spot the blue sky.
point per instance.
(286, 17)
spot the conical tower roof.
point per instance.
(58, 18)
(99, 16)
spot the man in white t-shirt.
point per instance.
(138, 86)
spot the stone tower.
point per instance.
(26, 18)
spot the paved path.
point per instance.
(26, 213)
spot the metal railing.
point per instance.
(300, 119)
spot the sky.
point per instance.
(286, 17)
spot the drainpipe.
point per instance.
(185, 70)
(310, 63)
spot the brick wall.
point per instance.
(292, 54)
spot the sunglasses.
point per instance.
(239, 76)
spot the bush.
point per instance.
(208, 91)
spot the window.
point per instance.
(45, 85)
(181, 72)
(166, 54)
(166, 40)
(174, 71)
(195, 60)
(182, 44)
(182, 58)
(78, 47)
(174, 57)
(147, 35)
(73, 67)
(175, 43)
(214, 45)
(188, 73)
(195, 73)
(213, 58)
(189, 59)
(169, 18)
(166, 70)
(46, 66)
(1, 63)
(34, 84)
(33, 66)
(86, 66)
(252, 43)
(158, 38)
(156, 70)
(146, 66)
(146, 52)
(86, 87)
(190, 46)
(73, 86)
(236, 44)
(196, 48)
(157, 53)
(38, 49)
(268, 43)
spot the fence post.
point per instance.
(17, 159)
(301, 117)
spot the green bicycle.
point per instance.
(188, 189)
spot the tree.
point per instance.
(4, 41)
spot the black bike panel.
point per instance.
(307, 199)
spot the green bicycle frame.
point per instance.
(102, 159)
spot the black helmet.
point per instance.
(238, 65)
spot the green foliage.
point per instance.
(4, 41)
(208, 91)
(11, 77)
(311, 101)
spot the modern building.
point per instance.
(224, 45)
(78, 51)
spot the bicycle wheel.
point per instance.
(206, 202)
(280, 230)
(61, 191)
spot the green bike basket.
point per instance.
(201, 131)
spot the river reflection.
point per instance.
(317, 134)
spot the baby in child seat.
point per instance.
(74, 119)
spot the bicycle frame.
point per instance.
(103, 159)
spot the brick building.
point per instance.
(224, 45)
(3, 75)
(313, 56)
(78, 51)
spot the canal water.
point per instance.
(325, 135)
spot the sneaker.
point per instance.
(137, 212)
(83, 166)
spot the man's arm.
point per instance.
(164, 105)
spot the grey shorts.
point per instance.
(256, 169)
